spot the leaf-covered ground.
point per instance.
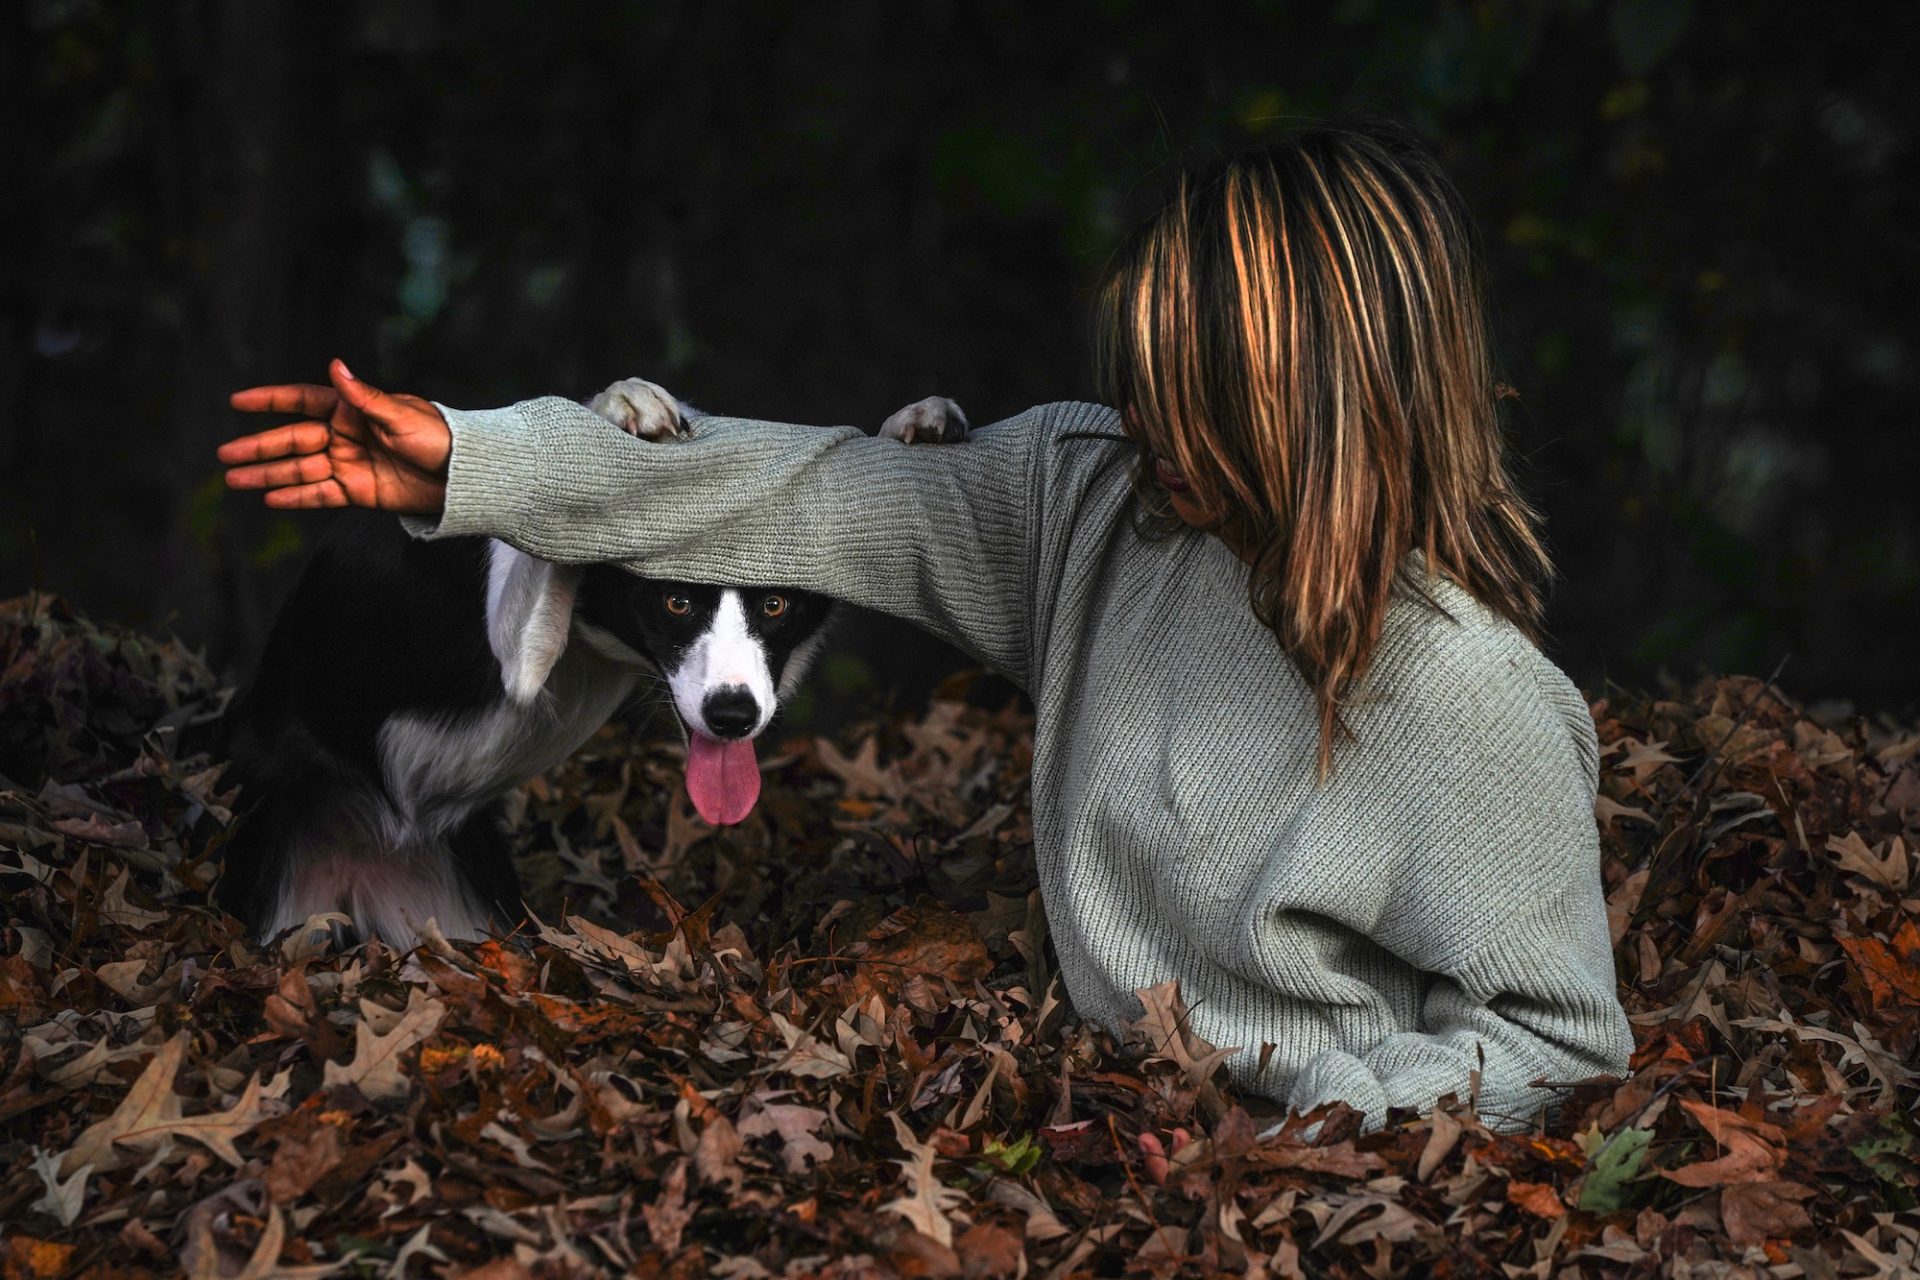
(830, 1042)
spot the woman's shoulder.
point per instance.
(1059, 418)
(1453, 666)
(1072, 436)
(1477, 760)
(1078, 455)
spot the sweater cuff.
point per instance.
(1336, 1076)
(494, 476)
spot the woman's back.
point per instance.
(1181, 832)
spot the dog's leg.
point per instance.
(641, 408)
(935, 420)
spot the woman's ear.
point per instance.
(529, 616)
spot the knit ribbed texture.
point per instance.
(1435, 907)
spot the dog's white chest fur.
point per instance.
(439, 771)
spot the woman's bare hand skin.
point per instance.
(360, 447)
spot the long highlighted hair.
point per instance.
(1301, 333)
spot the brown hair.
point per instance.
(1301, 334)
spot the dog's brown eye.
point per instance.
(678, 606)
(774, 606)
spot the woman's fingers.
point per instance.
(407, 428)
(277, 442)
(292, 397)
(279, 475)
(327, 493)
(370, 400)
(367, 432)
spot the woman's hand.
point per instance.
(360, 448)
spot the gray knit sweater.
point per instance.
(1433, 909)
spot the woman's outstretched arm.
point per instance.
(941, 535)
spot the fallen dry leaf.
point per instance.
(376, 1066)
(1755, 1212)
(150, 1116)
(927, 1201)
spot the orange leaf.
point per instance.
(1537, 1198)
(31, 1258)
(923, 940)
(1891, 969)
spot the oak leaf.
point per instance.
(150, 1116)
(668, 1216)
(1167, 1033)
(115, 907)
(1644, 758)
(61, 1200)
(806, 1054)
(1537, 1198)
(928, 1200)
(265, 1263)
(1394, 1223)
(861, 772)
(1891, 968)
(1891, 872)
(375, 1069)
(796, 1127)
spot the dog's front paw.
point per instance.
(640, 408)
(935, 420)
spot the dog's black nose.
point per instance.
(730, 712)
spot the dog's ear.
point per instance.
(529, 615)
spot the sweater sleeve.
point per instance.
(940, 535)
(1539, 1003)
(1521, 975)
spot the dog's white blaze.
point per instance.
(726, 655)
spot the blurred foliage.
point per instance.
(1698, 222)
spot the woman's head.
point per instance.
(1299, 337)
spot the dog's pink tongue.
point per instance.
(722, 777)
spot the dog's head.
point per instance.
(728, 655)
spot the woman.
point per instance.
(1295, 745)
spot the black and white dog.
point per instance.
(407, 686)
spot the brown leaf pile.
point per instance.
(851, 1055)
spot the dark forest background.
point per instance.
(1699, 220)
